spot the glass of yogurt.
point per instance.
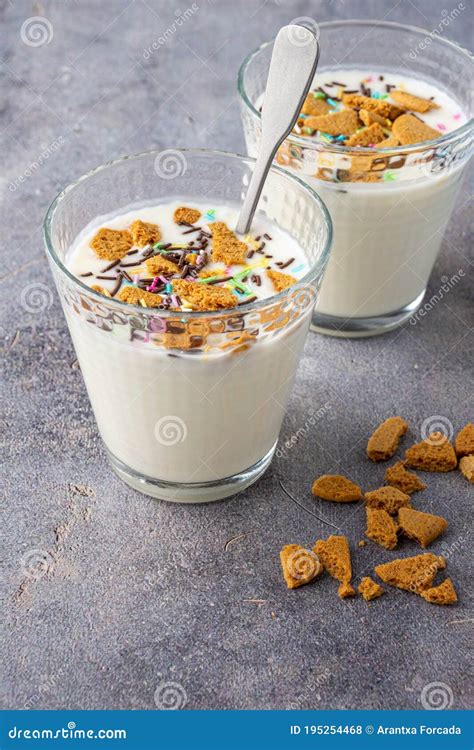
(389, 203)
(188, 336)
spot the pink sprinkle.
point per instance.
(153, 284)
(440, 126)
(135, 278)
(228, 271)
(457, 117)
(174, 300)
(369, 79)
(162, 279)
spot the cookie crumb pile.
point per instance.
(390, 516)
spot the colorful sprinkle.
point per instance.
(440, 126)
(332, 102)
(389, 177)
(211, 215)
(457, 116)
(319, 95)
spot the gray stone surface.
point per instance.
(140, 592)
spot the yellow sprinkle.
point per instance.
(138, 269)
(143, 303)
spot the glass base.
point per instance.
(192, 492)
(331, 325)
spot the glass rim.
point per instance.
(195, 314)
(297, 140)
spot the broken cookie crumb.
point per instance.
(423, 527)
(384, 441)
(299, 565)
(381, 528)
(433, 454)
(405, 481)
(369, 589)
(388, 498)
(337, 488)
(185, 215)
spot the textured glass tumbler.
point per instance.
(389, 212)
(189, 404)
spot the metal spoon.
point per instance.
(292, 68)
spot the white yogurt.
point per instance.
(387, 235)
(180, 416)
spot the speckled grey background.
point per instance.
(141, 593)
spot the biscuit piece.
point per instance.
(404, 480)
(280, 280)
(390, 142)
(314, 106)
(433, 454)
(143, 233)
(373, 134)
(381, 528)
(383, 443)
(369, 589)
(381, 106)
(100, 289)
(203, 296)
(226, 247)
(207, 274)
(368, 118)
(414, 574)
(387, 498)
(158, 265)
(344, 122)
(335, 557)
(410, 101)
(135, 296)
(423, 527)
(185, 215)
(337, 488)
(299, 565)
(409, 129)
(464, 441)
(345, 590)
(445, 593)
(466, 466)
(111, 244)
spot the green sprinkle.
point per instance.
(389, 177)
(319, 95)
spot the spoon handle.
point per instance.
(292, 68)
